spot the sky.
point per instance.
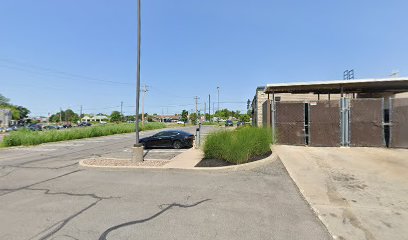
(73, 53)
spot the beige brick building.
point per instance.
(5, 117)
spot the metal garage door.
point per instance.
(366, 122)
(324, 123)
(399, 123)
(290, 123)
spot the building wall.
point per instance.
(257, 115)
(401, 95)
(5, 117)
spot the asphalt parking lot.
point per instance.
(44, 194)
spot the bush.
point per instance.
(27, 137)
(239, 146)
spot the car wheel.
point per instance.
(176, 144)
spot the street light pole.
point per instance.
(138, 148)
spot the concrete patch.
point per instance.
(358, 193)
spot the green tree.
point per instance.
(193, 118)
(184, 116)
(55, 117)
(223, 113)
(130, 118)
(244, 118)
(70, 116)
(15, 113)
(23, 112)
(236, 114)
(115, 116)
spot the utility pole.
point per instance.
(143, 100)
(218, 108)
(121, 110)
(209, 106)
(196, 104)
(138, 148)
(80, 112)
(60, 115)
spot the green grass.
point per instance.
(26, 137)
(239, 146)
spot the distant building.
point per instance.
(98, 118)
(167, 118)
(5, 117)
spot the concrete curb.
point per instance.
(247, 166)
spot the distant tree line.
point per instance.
(221, 114)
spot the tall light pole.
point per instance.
(138, 148)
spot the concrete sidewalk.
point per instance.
(358, 193)
(186, 160)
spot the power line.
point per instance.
(26, 67)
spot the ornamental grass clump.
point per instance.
(239, 146)
(26, 137)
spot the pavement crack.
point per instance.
(69, 236)
(6, 174)
(34, 167)
(51, 230)
(48, 192)
(60, 224)
(11, 190)
(169, 206)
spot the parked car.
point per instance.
(34, 127)
(1, 130)
(50, 127)
(180, 122)
(229, 123)
(84, 124)
(168, 139)
(240, 124)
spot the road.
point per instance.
(44, 194)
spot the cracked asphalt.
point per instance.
(44, 194)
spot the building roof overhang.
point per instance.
(391, 85)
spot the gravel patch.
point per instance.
(124, 162)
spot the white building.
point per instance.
(98, 118)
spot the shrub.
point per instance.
(239, 146)
(26, 137)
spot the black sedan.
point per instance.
(165, 139)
